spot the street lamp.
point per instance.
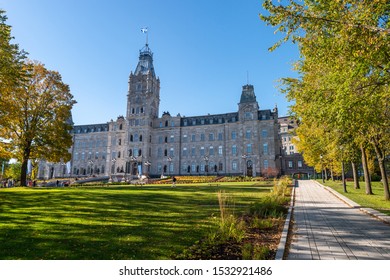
(91, 163)
(206, 159)
(244, 165)
(133, 161)
(148, 164)
(169, 165)
(112, 169)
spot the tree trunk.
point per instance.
(381, 161)
(23, 175)
(26, 156)
(355, 175)
(367, 179)
(343, 177)
(331, 174)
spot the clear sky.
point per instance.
(204, 52)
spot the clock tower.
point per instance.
(143, 101)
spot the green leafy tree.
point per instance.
(11, 71)
(344, 73)
(13, 171)
(37, 118)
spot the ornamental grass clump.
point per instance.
(228, 227)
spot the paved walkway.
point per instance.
(328, 228)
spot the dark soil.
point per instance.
(267, 239)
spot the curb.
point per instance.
(372, 212)
(283, 239)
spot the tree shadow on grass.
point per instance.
(103, 223)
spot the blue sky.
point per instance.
(203, 50)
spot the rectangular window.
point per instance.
(266, 164)
(211, 151)
(234, 165)
(193, 168)
(290, 164)
(220, 150)
(264, 133)
(193, 151)
(234, 135)
(220, 136)
(172, 139)
(234, 150)
(185, 152)
(249, 148)
(211, 137)
(171, 152)
(300, 165)
(265, 148)
(202, 151)
(202, 137)
(185, 138)
(193, 138)
(248, 134)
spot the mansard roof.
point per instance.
(88, 128)
(248, 94)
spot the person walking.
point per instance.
(173, 181)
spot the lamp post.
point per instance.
(244, 165)
(63, 169)
(148, 164)
(91, 163)
(206, 159)
(169, 165)
(112, 169)
(133, 161)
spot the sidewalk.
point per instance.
(327, 228)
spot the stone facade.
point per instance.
(291, 160)
(245, 142)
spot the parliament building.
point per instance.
(143, 142)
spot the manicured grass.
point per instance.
(112, 222)
(375, 201)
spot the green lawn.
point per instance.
(375, 201)
(112, 222)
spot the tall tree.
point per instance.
(344, 68)
(36, 118)
(11, 71)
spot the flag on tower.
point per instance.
(144, 29)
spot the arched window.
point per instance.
(165, 152)
(131, 138)
(120, 127)
(140, 138)
(166, 123)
